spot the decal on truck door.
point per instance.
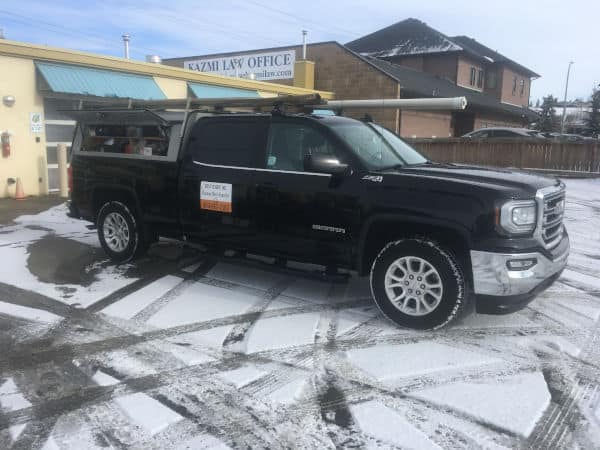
(215, 196)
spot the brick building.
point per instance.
(406, 60)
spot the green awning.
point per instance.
(68, 79)
(212, 91)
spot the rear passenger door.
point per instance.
(218, 179)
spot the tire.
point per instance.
(120, 234)
(430, 266)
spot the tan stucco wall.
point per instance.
(425, 124)
(172, 88)
(28, 157)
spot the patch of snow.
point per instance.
(201, 302)
(27, 313)
(581, 278)
(383, 423)
(289, 392)
(245, 276)
(104, 379)
(56, 220)
(132, 304)
(50, 444)
(11, 398)
(16, 430)
(514, 404)
(387, 362)
(585, 310)
(203, 441)
(147, 412)
(108, 280)
(213, 337)
(475, 320)
(282, 332)
(192, 268)
(243, 376)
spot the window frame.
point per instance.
(514, 87)
(172, 146)
(472, 76)
(480, 78)
(341, 152)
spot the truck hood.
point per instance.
(504, 179)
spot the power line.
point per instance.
(301, 19)
(62, 30)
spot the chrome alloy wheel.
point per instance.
(413, 286)
(116, 232)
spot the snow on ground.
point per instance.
(236, 354)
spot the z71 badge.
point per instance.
(215, 196)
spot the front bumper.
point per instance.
(499, 290)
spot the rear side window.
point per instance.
(228, 143)
(141, 140)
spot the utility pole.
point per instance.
(564, 114)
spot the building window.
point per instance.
(514, 89)
(522, 90)
(480, 78)
(490, 80)
(472, 76)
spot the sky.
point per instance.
(541, 35)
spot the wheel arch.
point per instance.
(103, 194)
(380, 229)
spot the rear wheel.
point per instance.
(417, 284)
(120, 235)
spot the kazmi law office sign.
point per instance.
(259, 66)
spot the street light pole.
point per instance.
(564, 114)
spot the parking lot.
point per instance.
(182, 350)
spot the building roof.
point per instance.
(413, 37)
(408, 37)
(473, 47)
(66, 56)
(425, 84)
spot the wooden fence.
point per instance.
(534, 154)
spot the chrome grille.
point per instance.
(552, 217)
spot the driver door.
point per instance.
(301, 214)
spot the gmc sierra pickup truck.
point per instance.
(328, 190)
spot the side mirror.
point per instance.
(325, 164)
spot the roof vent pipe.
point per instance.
(126, 39)
(304, 33)
(154, 59)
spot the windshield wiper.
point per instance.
(402, 166)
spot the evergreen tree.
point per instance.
(593, 120)
(548, 121)
(537, 103)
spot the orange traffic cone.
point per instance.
(19, 194)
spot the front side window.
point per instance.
(228, 142)
(142, 140)
(290, 143)
(514, 87)
(377, 147)
(522, 88)
(472, 76)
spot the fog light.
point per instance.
(521, 264)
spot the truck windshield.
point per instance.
(376, 146)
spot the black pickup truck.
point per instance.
(328, 190)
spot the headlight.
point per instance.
(518, 216)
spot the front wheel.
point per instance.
(417, 284)
(119, 233)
